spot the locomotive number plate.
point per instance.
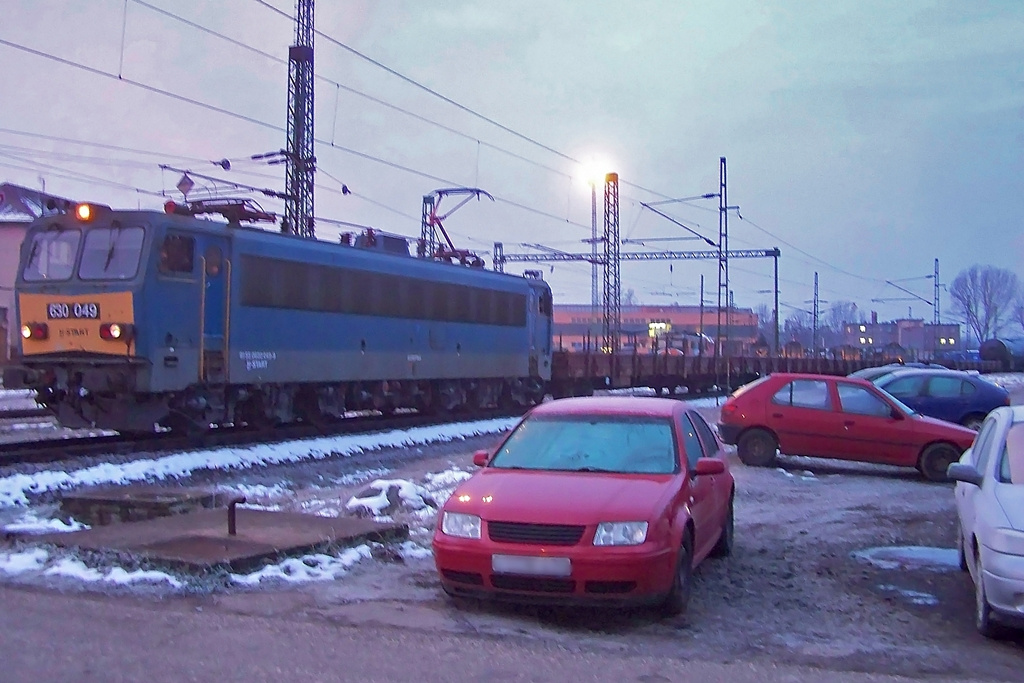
(63, 311)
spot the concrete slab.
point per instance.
(200, 540)
(136, 502)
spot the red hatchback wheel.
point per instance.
(935, 460)
(757, 447)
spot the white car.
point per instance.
(990, 507)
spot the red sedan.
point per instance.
(836, 417)
(590, 500)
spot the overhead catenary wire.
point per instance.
(431, 91)
(264, 124)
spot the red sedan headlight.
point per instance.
(620, 533)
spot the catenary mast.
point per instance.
(301, 163)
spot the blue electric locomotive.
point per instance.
(131, 319)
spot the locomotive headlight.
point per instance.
(35, 331)
(83, 212)
(117, 331)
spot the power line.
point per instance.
(100, 145)
(264, 124)
(354, 91)
(444, 98)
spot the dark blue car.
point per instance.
(950, 395)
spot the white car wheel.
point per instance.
(960, 550)
(982, 610)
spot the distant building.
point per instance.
(684, 328)
(913, 337)
(11, 236)
(18, 207)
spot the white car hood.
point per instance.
(1011, 500)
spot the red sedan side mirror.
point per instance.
(480, 458)
(709, 466)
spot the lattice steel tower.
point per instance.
(298, 212)
(612, 279)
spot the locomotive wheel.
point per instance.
(181, 424)
(449, 397)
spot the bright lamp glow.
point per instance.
(620, 533)
(593, 170)
(83, 212)
(460, 525)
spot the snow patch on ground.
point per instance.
(911, 557)
(16, 489)
(312, 567)
(76, 569)
(411, 496)
(24, 561)
(32, 523)
(913, 597)
(805, 475)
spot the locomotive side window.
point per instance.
(545, 304)
(111, 253)
(275, 283)
(51, 255)
(177, 254)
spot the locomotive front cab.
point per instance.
(78, 276)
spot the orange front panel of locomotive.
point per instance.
(53, 323)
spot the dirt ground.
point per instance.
(792, 593)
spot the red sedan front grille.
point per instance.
(532, 583)
(534, 534)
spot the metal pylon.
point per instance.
(612, 324)
(301, 166)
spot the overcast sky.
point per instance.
(863, 138)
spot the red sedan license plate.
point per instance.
(533, 566)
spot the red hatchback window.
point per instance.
(860, 401)
(804, 393)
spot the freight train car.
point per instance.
(131, 319)
(1008, 353)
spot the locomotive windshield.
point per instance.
(51, 255)
(111, 253)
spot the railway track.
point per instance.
(41, 451)
(56, 450)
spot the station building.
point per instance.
(913, 336)
(689, 330)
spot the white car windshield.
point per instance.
(1011, 466)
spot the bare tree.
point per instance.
(836, 317)
(1018, 310)
(984, 296)
(766, 324)
(797, 327)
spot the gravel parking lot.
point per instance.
(799, 589)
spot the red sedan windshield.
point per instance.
(636, 445)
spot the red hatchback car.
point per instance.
(836, 417)
(609, 500)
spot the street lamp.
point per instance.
(594, 170)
